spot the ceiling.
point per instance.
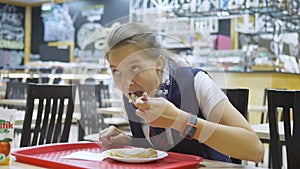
(26, 2)
(30, 1)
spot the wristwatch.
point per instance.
(190, 127)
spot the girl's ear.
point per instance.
(159, 62)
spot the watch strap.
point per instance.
(190, 127)
(193, 119)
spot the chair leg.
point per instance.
(262, 117)
(270, 158)
(81, 132)
(236, 161)
(280, 154)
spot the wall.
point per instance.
(113, 9)
(11, 35)
(256, 82)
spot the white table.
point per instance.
(22, 102)
(263, 130)
(95, 136)
(111, 110)
(13, 102)
(112, 101)
(257, 108)
(21, 114)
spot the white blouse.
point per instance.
(208, 96)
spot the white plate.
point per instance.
(160, 155)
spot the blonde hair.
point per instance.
(141, 36)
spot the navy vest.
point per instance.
(182, 94)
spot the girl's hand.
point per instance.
(112, 137)
(159, 112)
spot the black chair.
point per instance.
(286, 101)
(263, 120)
(103, 93)
(90, 121)
(54, 114)
(90, 80)
(45, 79)
(238, 97)
(294, 146)
(15, 90)
(265, 101)
(57, 71)
(32, 80)
(57, 80)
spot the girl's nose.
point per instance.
(127, 82)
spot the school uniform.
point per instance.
(179, 90)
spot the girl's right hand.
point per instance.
(112, 137)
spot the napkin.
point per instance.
(86, 155)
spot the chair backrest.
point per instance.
(103, 93)
(57, 80)
(265, 102)
(286, 101)
(51, 121)
(32, 80)
(89, 119)
(239, 99)
(15, 90)
(90, 80)
(294, 154)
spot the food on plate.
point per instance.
(134, 153)
(132, 97)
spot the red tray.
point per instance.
(50, 156)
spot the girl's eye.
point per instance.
(116, 72)
(135, 68)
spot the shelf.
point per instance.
(206, 11)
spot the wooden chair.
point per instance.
(263, 120)
(32, 80)
(286, 101)
(293, 143)
(239, 99)
(90, 121)
(57, 80)
(103, 93)
(15, 90)
(91, 96)
(90, 80)
(265, 101)
(53, 115)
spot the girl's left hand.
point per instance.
(158, 112)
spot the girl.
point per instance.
(173, 106)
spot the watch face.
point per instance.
(189, 131)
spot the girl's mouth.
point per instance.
(133, 96)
